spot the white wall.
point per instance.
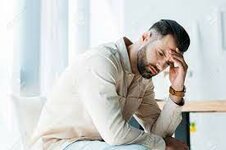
(106, 21)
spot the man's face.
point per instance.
(153, 57)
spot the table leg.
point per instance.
(183, 130)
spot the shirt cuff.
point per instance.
(171, 105)
(179, 104)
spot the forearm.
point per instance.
(168, 120)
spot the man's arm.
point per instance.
(97, 84)
(165, 123)
(153, 120)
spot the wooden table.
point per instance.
(194, 106)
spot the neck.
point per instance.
(132, 52)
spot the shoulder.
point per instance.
(105, 55)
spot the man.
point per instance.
(91, 105)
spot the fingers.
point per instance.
(178, 58)
(172, 143)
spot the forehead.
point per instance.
(168, 42)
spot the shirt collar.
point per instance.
(121, 46)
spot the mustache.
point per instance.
(153, 66)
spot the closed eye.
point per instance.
(160, 53)
(169, 63)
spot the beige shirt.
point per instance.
(95, 98)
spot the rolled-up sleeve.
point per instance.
(161, 122)
(97, 76)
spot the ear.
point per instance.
(146, 37)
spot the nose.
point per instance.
(161, 65)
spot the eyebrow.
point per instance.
(172, 49)
(176, 51)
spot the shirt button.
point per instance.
(139, 99)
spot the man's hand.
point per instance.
(174, 144)
(177, 74)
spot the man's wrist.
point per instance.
(177, 96)
(178, 93)
(177, 100)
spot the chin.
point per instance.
(147, 75)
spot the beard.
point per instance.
(142, 64)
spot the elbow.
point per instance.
(114, 141)
(158, 130)
(117, 134)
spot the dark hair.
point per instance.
(165, 27)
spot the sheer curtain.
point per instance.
(53, 41)
(34, 51)
(38, 41)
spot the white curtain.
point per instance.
(54, 42)
(10, 17)
(34, 51)
(38, 41)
